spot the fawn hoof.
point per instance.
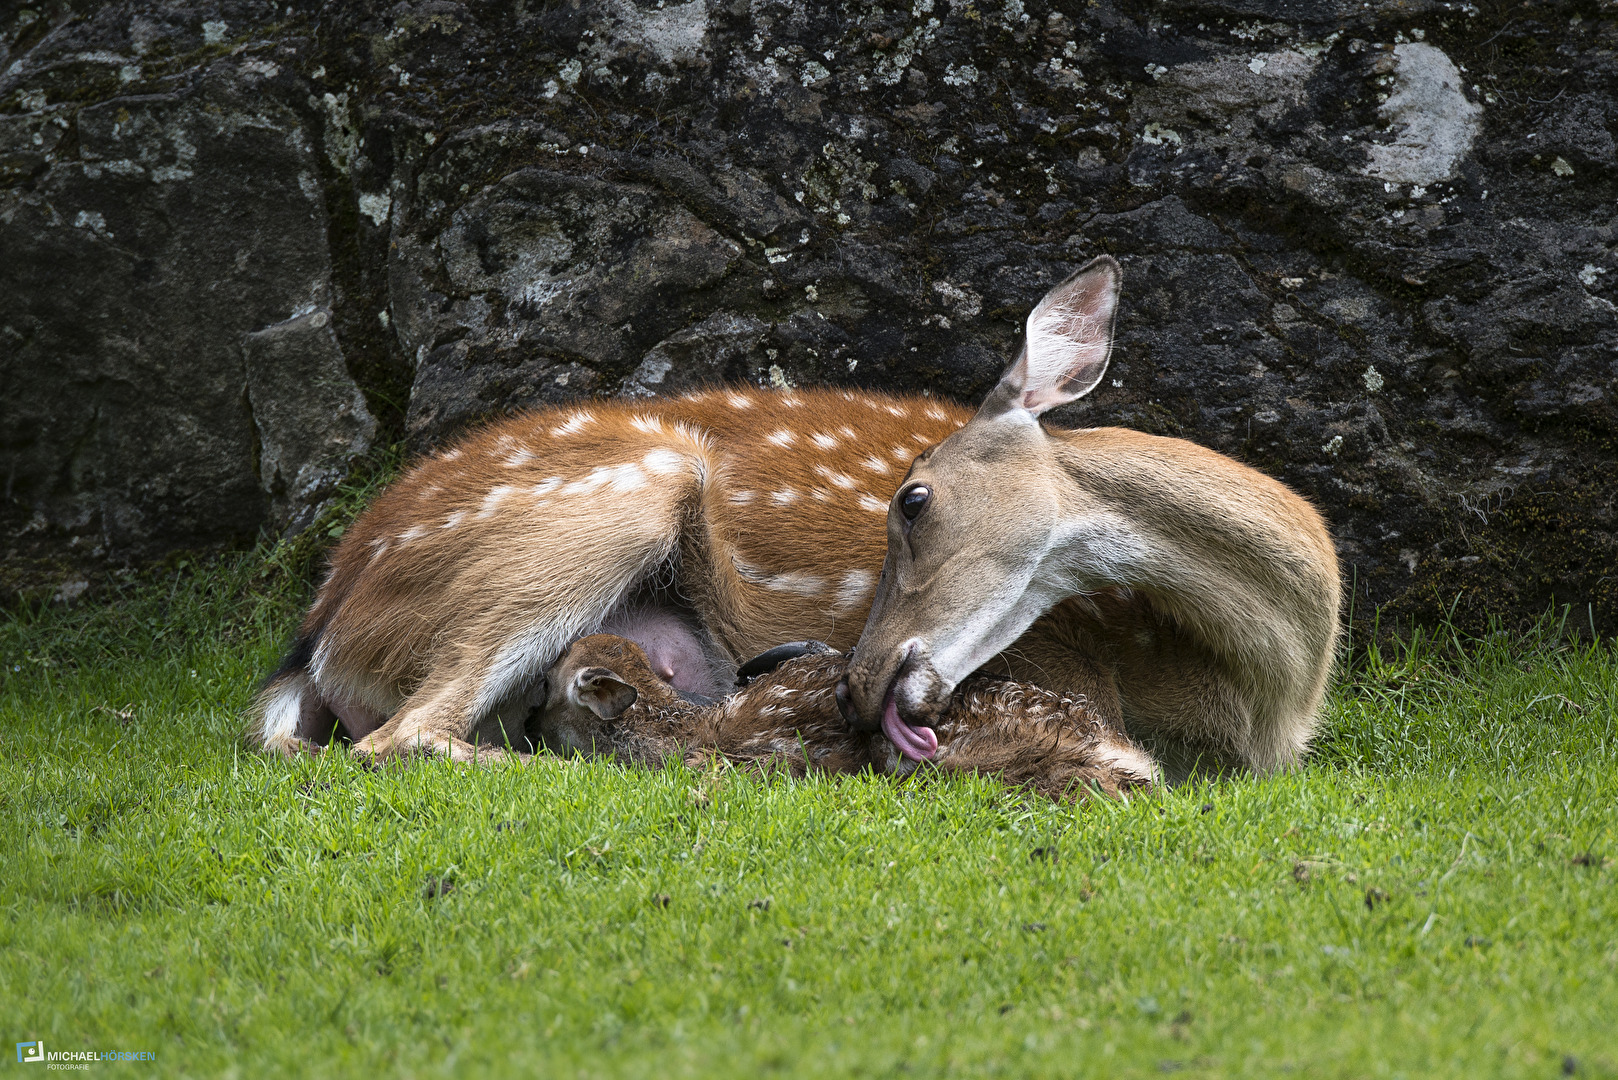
(770, 659)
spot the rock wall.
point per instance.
(1368, 247)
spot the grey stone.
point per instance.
(723, 348)
(309, 413)
(140, 247)
(1369, 248)
(557, 277)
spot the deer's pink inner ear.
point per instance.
(1069, 338)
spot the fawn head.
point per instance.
(599, 678)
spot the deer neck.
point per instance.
(1219, 549)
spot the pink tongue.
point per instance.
(915, 743)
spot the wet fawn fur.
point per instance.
(604, 699)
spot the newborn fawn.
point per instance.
(604, 698)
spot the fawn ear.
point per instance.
(602, 692)
(1069, 342)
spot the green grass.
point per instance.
(1433, 895)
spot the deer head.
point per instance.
(979, 531)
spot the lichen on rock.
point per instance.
(1432, 121)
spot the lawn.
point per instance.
(1433, 895)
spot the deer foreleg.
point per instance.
(433, 721)
(474, 701)
(1183, 706)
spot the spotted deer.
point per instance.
(1187, 596)
(603, 698)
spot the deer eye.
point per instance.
(914, 501)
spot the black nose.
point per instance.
(845, 704)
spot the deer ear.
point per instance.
(602, 692)
(1069, 341)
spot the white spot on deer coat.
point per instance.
(415, 532)
(784, 497)
(585, 484)
(824, 441)
(620, 478)
(545, 487)
(798, 584)
(935, 414)
(662, 462)
(782, 438)
(650, 425)
(742, 498)
(854, 590)
(740, 401)
(877, 465)
(902, 453)
(896, 410)
(921, 438)
(450, 455)
(519, 459)
(454, 519)
(493, 499)
(690, 434)
(627, 478)
(573, 424)
(872, 503)
(842, 480)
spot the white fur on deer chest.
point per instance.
(1099, 549)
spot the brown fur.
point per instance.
(517, 530)
(789, 719)
(1186, 596)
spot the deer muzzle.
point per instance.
(899, 693)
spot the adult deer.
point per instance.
(1187, 595)
(1199, 596)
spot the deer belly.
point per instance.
(674, 647)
